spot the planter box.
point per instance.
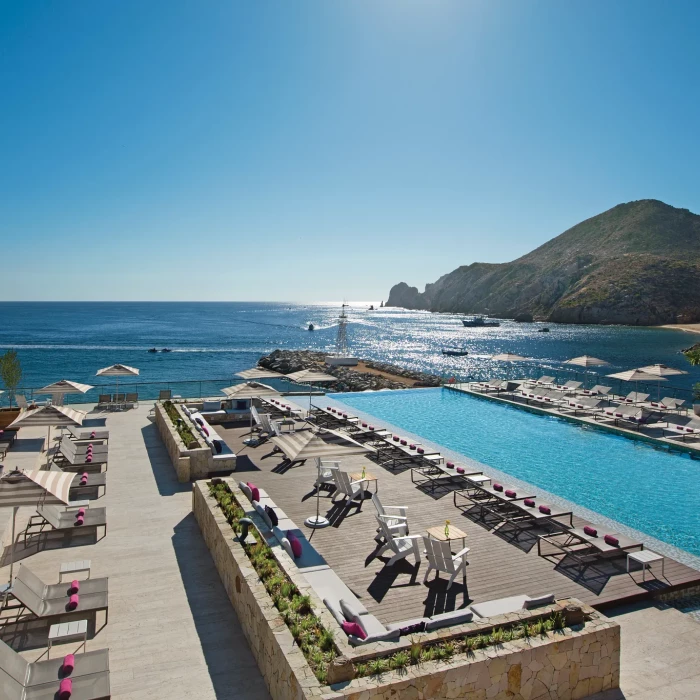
(570, 664)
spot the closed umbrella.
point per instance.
(660, 371)
(48, 416)
(65, 386)
(32, 488)
(117, 371)
(308, 444)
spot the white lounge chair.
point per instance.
(401, 546)
(441, 559)
(396, 518)
(352, 490)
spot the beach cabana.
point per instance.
(48, 417)
(32, 488)
(59, 389)
(318, 444)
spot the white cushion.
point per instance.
(186, 410)
(491, 608)
(246, 490)
(371, 626)
(261, 512)
(337, 614)
(351, 612)
(448, 619)
(539, 600)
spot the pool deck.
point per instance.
(652, 434)
(499, 566)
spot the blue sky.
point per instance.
(278, 150)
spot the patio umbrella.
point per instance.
(250, 390)
(259, 373)
(117, 371)
(660, 371)
(586, 361)
(636, 376)
(508, 357)
(31, 489)
(311, 376)
(307, 444)
(47, 416)
(65, 386)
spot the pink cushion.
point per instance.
(364, 425)
(73, 601)
(612, 541)
(371, 427)
(590, 531)
(421, 451)
(411, 447)
(254, 492)
(529, 503)
(84, 475)
(497, 487)
(460, 470)
(68, 664)
(403, 442)
(80, 513)
(65, 689)
(88, 459)
(450, 465)
(352, 628)
(510, 493)
(395, 438)
(546, 510)
(294, 543)
(79, 520)
(74, 586)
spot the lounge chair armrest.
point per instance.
(359, 481)
(460, 554)
(408, 537)
(389, 518)
(395, 507)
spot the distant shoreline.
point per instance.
(688, 327)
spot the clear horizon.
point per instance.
(220, 151)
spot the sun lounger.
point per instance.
(668, 403)
(636, 415)
(40, 680)
(94, 481)
(587, 543)
(104, 401)
(684, 428)
(597, 390)
(570, 386)
(439, 474)
(53, 601)
(531, 511)
(587, 404)
(65, 520)
(544, 380)
(635, 397)
(488, 498)
(100, 434)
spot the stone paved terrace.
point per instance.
(172, 632)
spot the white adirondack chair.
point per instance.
(401, 546)
(352, 490)
(325, 472)
(395, 517)
(440, 558)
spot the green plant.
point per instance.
(10, 373)
(693, 356)
(496, 636)
(414, 652)
(400, 659)
(183, 430)
(696, 391)
(377, 666)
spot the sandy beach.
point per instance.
(689, 327)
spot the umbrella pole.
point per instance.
(12, 544)
(318, 521)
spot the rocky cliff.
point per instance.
(637, 263)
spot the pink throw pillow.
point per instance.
(254, 492)
(352, 628)
(294, 543)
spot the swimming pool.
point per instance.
(644, 488)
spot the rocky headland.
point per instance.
(368, 375)
(635, 264)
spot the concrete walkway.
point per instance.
(172, 632)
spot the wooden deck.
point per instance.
(500, 565)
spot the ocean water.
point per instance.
(213, 341)
(647, 489)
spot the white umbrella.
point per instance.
(117, 371)
(47, 416)
(250, 390)
(636, 376)
(308, 444)
(259, 373)
(30, 489)
(65, 386)
(311, 376)
(661, 371)
(586, 361)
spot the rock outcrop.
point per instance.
(637, 264)
(349, 379)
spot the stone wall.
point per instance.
(569, 664)
(190, 465)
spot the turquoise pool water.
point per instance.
(647, 489)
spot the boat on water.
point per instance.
(153, 350)
(543, 330)
(371, 307)
(455, 352)
(166, 350)
(479, 322)
(311, 326)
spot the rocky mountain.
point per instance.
(637, 263)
